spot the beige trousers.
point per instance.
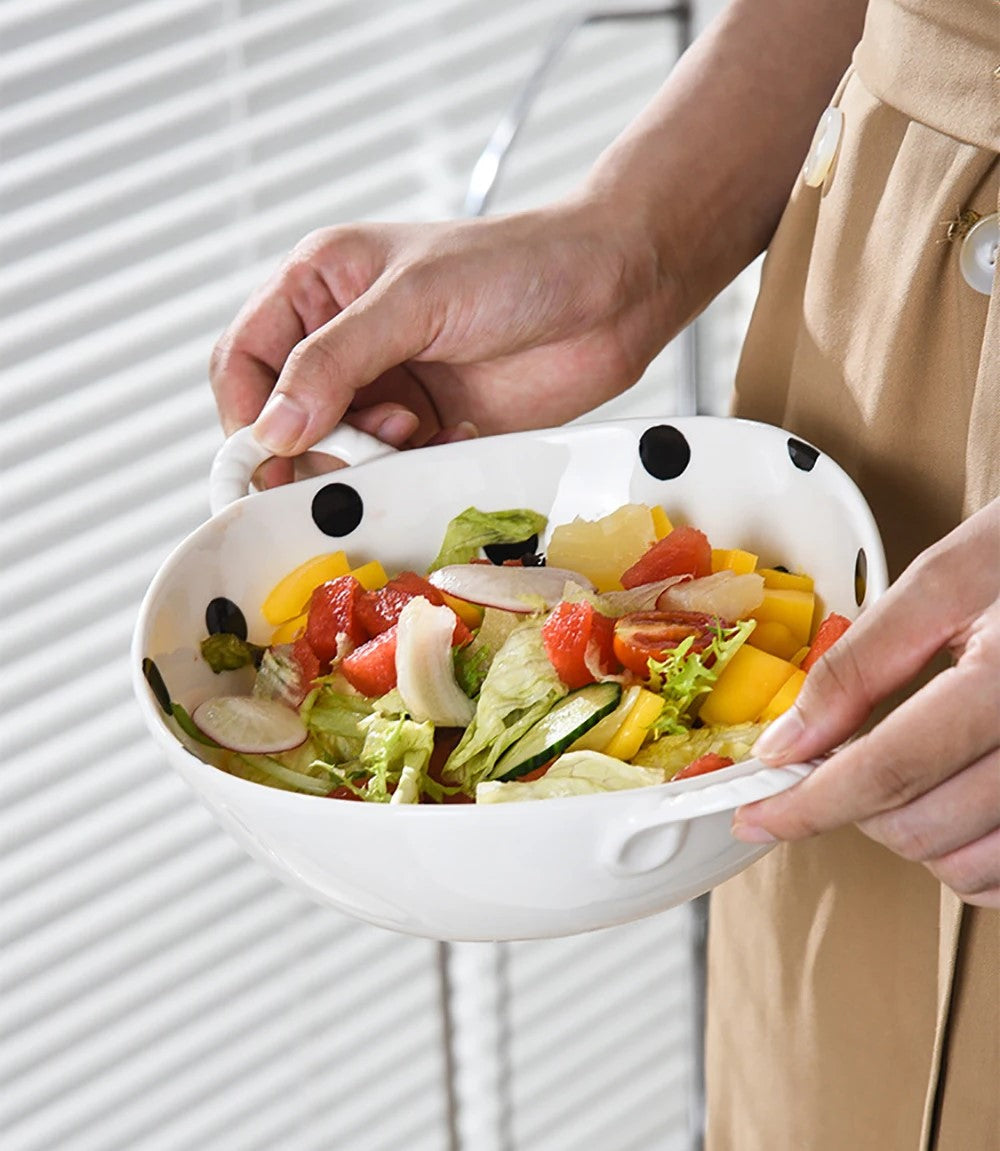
(853, 1003)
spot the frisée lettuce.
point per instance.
(411, 689)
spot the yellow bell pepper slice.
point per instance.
(661, 523)
(290, 630)
(371, 575)
(471, 614)
(629, 737)
(787, 581)
(291, 593)
(745, 687)
(784, 697)
(734, 560)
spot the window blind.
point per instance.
(160, 990)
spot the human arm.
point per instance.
(535, 318)
(925, 781)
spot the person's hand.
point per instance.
(925, 781)
(422, 332)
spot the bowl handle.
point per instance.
(241, 455)
(645, 842)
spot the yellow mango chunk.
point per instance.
(787, 581)
(776, 638)
(290, 594)
(734, 560)
(784, 697)
(661, 523)
(290, 630)
(748, 683)
(794, 609)
(629, 737)
(371, 575)
(471, 614)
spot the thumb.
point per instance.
(880, 653)
(384, 327)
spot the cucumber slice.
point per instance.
(558, 728)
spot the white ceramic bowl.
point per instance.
(514, 870)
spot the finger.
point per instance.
(325, 271)
(384, 328)
(273, 473)
(973, 871)
(847, 682)
(959, 811)
(948, 724)
(925, 611)
(466, 430)
(391, 423)
(248, 357)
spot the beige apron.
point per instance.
(853, 1003)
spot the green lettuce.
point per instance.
(575, 773)
(473, 661)
(396, 753)
(334, 721)
(671, 753)
(520, 687)
(295, 770)
(472, 530)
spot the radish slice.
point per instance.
(249, 725)
(510, 588)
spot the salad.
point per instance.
(631, 653)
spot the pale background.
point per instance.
(158, 990)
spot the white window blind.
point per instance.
(159, 990)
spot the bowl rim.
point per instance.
(721, 790)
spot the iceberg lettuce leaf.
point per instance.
(520, 687)
(575, 773)
(396, 753)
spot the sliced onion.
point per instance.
(250, 725)
(641, 598)
(725, 594)
(511, 588)
(425, 676)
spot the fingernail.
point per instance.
(397, 428)
(751, 833)
(281, 424)
(466, 430)
(781, 737)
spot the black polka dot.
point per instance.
(803, 456)
(337, 509)
(664, 452)
(860, 577)
(499, 553)
(222, 616)
(158, 687)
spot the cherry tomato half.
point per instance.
(642, 636)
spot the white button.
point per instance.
(978, 255)
(823, 147)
